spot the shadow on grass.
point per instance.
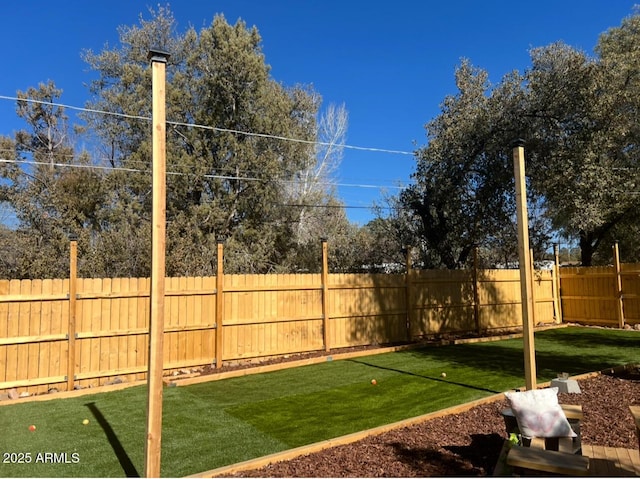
(124, 459)
(588, 337)
(570, 350)
(431, 378)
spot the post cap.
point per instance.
(158, 55)
(517, 142)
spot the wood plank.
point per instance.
(565, 444)
(605, 468)
(30, 298)
(24, 317)
(132, 321)
(537, 443)
(32, 382)
(624, 461)
(59, 324)
(635, 413)
(190, 320)
(35, 349)
(4, 328)
(548, 461)
(572, 411)
(96, 325)
(120, 319)
(634, 456)
(33, 339)
(614, 467)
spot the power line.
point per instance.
(212, 128)
(132, 170)
(148, 164)
(173, 173)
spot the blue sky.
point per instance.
(391, 63)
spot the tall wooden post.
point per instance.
(325, 295)
(619, 297)
(73, 277)
(219, 302)
(526, 286)
(158, 247)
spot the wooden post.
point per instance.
(619, 296)
(325, 295)
(476, 296)
(409, 291)
(557, 298)
(219, 302)
(73, 277)
(158, 247)
(525, 265)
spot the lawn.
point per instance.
(209, 425)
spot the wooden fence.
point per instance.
(601, 295)
(76, 332)
(66, 333)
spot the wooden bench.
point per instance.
(574, 415)
(635, 412)
(555, 462)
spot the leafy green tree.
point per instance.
(583, 148)
(51, 201)
(226, 157)
(578, 116)
(463, 194)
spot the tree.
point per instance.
(463, 180)
(578, 116)
(312, 189)
(51, 201)
(226, 156)
(583, 143)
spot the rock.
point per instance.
(24, 394)
(636, 326)
(13, 394)
(52, 391)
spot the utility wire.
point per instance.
(172, 173)
(212, 128)
(147, 164)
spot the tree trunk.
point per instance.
(586, 248)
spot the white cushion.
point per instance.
(539, 414)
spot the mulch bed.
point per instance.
(466, 444)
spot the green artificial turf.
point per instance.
(209, 425)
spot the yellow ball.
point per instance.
(85, 422)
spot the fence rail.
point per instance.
(81, 332)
